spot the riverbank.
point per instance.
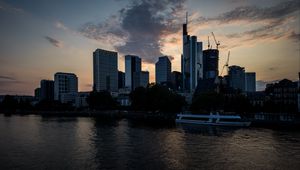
(270, 120)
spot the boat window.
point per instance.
(195, 118)
(230, 120)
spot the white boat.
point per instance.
(212, 119)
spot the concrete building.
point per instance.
(191, 60)
(121, 79)
(210, 64)
(133, 70)
(250, 82)
(46, 90)
(105, 70)
(163, 70)
(65, 86)
(236, 76)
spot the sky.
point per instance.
(41, 37)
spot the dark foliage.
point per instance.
(50, 105)
(156, 98)
(101, 101)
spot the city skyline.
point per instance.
(36, 44)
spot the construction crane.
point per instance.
(226, 64)
(208, 44)
(217, 42)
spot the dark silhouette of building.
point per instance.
(47, 90)
(176, 80)
(210, 63)
(37, 93)
(163, 70)
(133, 68)
(191, 60)
(236, 78)
(121, 79)
(283, 94)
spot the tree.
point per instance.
(156, 98)
(101, 101)
(207, 102)
(9, 103)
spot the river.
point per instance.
(35, 142)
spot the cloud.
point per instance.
(139, 28)
(54, 42)
(265, 23)
(5, 78)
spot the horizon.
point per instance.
(49, 38)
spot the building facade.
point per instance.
(191, 60)
(250, 82)
(284, 95)
(236, 76)
(176, 80)
(133, 68)
(163, 70)
(121, 79)
(65, 83)
(144, 79)
(46, 90)
(105, 70)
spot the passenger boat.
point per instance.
(212, 119)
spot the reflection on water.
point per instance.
(33, 142)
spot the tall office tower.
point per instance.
(121, 79)
(236, 77)
(250, 82)
(65, 83)
(190, 60)
(210, 64)
(144, 79)
(176, 80)
(163, 70)
(105, 70)
(46, 90)
(133, 66)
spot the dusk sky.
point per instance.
(42, 37)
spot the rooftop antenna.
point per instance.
(186, 18)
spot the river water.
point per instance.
(34, 142)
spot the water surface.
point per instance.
(34, 142)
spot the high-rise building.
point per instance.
(236, 76)
(133, 66)
(121, 79)
(191, 60)
(144, 79)
(47, 90)
(105, 69)
(176, 80)
(65, 84)
(163, 70)
(210, 63)
(250, 82)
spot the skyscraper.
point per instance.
(105, 69)
(250, 82)
(163, 70)
(133, 66)
(65, 84)
(191, 60)
(236, 77)
(46, 90)
(144, 79)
